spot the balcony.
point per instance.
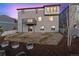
(30, 21)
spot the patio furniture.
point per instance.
(15, 45)
(4, 44)
(29, 46)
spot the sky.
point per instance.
(10, 8)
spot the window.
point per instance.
(49, 9)
(51, 18)
(39, 18)
(30, 20)
(42, 28)
(53, 9)
(52, 27)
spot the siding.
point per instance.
(45, 21)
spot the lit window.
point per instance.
(52, 27)
(48, 9)
(30, 20)
(51, 18)
(42, 28)
(39, 18)
(51, 9)
(54, 9)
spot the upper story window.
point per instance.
(51, 18)
(52, 10)
(39, 18)
(30, 20)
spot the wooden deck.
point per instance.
(60, 49)
(40, 49)
(39, 38)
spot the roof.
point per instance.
(39, 7)
(29, 8)
(63, 6)
(52, 5)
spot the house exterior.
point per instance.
(74, 19)
(39, 19)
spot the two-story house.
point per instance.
(39, 19)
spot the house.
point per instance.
(74, 19)
(40, 19)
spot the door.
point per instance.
(30, 28)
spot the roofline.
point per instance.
(38, 7)
(29, 8)
(74, 3)
(51, 5)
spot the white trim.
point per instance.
(29, 10)
(40, 9)
(19, 11)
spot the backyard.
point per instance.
(44, 44)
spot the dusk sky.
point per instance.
(10, 8)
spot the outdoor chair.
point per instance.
(15, 45)
(4, 43)
(29, 46)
